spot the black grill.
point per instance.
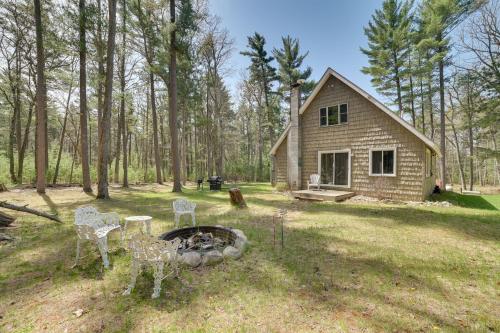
(215, 183)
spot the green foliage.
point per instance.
(290, 62)
(388, 35)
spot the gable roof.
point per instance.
(330, 72)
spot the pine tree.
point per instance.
(439, 18)
(262, 72)
(290, 62)
(388, 48)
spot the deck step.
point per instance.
(327, 195)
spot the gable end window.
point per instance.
(333, 115)
(382, 162)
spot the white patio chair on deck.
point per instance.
(148, 250)
(182, 207)
(313, 181)
(94, 226)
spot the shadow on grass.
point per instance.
(480, 226)
(466, 201)
(335, 273)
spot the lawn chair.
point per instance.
(94, 226)
(313, 181)
(183, 207)
(148, 250)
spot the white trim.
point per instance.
(330, 72)
(338, 114)
(280, 140)
(395, 162)
(348, 162)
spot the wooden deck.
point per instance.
(322, 195)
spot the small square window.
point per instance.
(322, 117)
(343, 113)
(383, 162)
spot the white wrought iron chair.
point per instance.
(148, 250)
(183, 207)
(313, 181)
(94, 226)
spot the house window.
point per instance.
(333, 115)
(322, 117)
(383, 162)
(428, 163)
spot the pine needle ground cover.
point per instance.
(345, 267)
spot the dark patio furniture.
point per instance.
(215, 183)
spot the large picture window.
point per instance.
(383, 162)
(333, 115)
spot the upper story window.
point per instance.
(383, 162)
(333, 115)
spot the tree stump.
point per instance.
(6, 220)
(237, 198)
(3, 188)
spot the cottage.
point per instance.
(354, 143)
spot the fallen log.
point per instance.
(237, 198)
(6, 220)
(25, 209)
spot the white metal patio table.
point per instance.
(144, 219)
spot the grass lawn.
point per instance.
(346, 267)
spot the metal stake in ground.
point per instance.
(281, 214)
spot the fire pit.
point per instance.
(207, 245)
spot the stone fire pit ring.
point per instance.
(234, 242)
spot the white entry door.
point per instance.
(334, 168)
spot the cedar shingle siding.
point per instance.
(281, 158)
(367, 127)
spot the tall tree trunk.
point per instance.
(145, 141)
(172, 103)
(429, 101)
(104, 134)
(442, 120)
(73, 159)
(260, 147)
(122, 98)
(412, 101)
(24, 145)
(17, 107)
(100, 66)
(12, 138)
(155, 129)
(471, 147)
(398, 86)
(116, 174)
(63, 133)
(84, 141)
(422, 106)
(41, 103)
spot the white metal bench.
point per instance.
(94, 226)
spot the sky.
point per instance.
(331, 30)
